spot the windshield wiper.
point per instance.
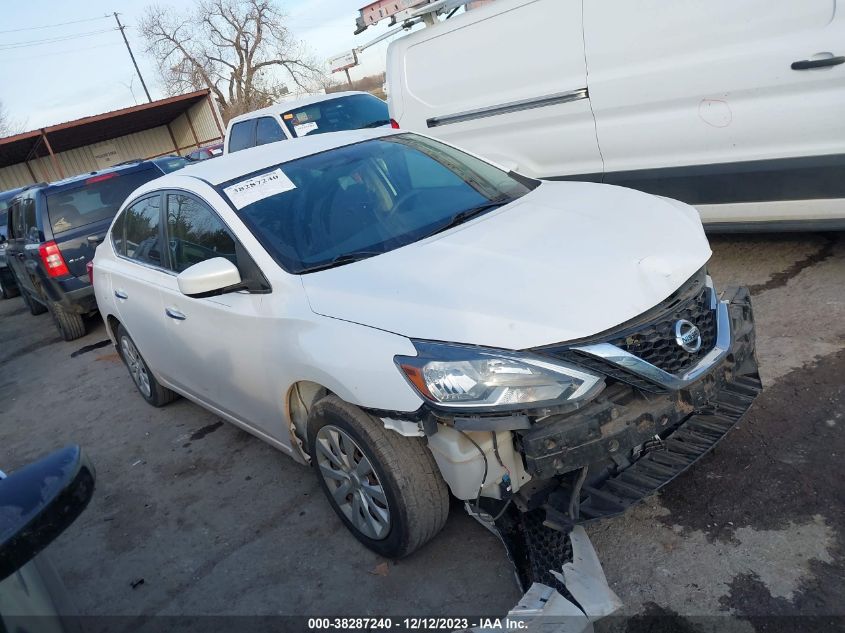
(340, 260)
(468, 214)
(377, 123)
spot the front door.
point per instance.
(219, 346)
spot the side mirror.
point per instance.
(208, 277)
(38, 502)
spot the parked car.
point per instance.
(318, 114)
(411, 319)
(204, 153)
(53, 231)
(37, 503)
(8, 287)
(673, 99)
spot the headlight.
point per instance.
(454, 376)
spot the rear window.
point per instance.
(354, 112)
(98, 198)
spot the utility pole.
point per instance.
(134, 63)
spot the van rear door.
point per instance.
(506, 80)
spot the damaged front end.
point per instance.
(676, 380)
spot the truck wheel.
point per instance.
(35, 308)
(143, 378)
(69, 324)
(386, 488)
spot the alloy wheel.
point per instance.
(137, 368)
(353, 482)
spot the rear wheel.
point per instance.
(143, 378)
(35, 308)
(7, 291)
(386, 488)
(69, 324)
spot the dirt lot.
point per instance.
(216, 522)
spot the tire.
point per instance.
(69, 324)
(145, 382)
(7, 291)
(35, 308)
(402, 483)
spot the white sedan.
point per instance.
(412, 320)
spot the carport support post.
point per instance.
(193, 131)
(56, 165)
(173, 138)
(214, 114)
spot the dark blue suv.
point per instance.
(53, 230)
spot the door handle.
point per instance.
(808, 64)
(21, 256)
(120, 294)
(173, 313)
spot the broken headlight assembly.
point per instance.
(481, 379)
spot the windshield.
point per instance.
(97, 198)
(365, 199)
(354, 112)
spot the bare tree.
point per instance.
(240, 49)
(8, 126)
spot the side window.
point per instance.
(15, 220)
(196, 233)
(241, 135)
(30, 228)
(117, 238)
(141, 222)
(268, 131)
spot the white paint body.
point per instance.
(564, 261)
(670, 84)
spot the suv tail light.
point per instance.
(53, 260)
(394, 124)
(89, 268)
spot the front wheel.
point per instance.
(386, 488)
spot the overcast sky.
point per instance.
(75, 77)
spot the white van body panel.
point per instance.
(691, 100)
(495, 56)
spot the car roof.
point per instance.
(293, 104)
(252, 160)
(127, 167)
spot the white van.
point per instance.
(316, 114)
(733, 107)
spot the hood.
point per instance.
(564, 262)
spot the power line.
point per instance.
(52, 40)
(50, 26)
(61, 52)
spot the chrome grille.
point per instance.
(655, 342)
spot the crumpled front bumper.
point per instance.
(628, 443)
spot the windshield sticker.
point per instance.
(303, 128)
(245, 192)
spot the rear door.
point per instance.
(86, 210)
(699, 100)
(139, 271)
(507, 80)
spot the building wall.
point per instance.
(153, 142)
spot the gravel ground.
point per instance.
(216, 522)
